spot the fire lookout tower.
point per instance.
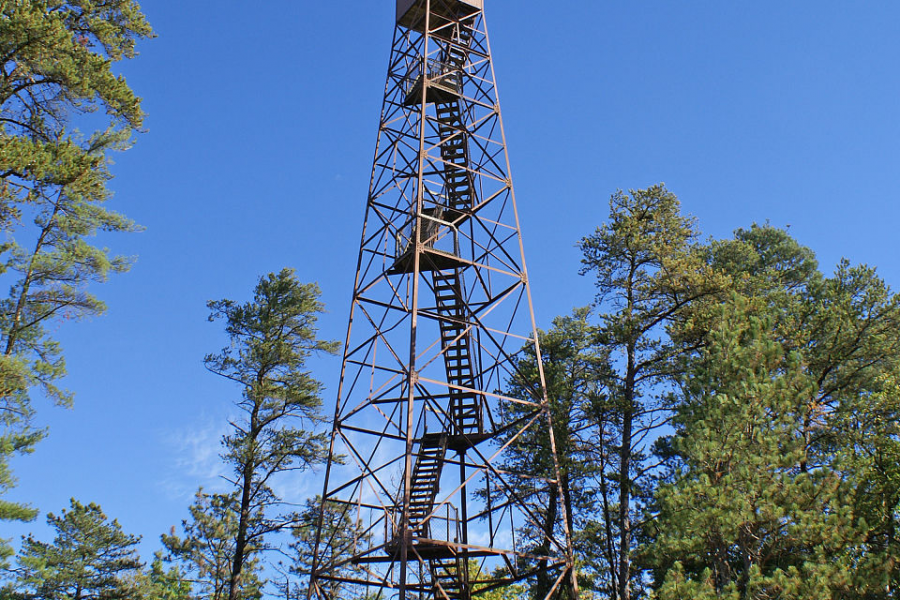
(439, 381)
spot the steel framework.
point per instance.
(421, 499)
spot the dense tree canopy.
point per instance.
(784, 431)
(780, 383)
(90, 558)
(56, 80)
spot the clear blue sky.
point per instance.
(261, 131)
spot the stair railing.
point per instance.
(445, 521)
(437, 72)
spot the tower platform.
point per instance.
(411, 13)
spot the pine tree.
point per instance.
(874, 470)
(648, 274)
(161, 583)
(270, 339)
(740, 515)
(574, 371)
(339, 535)
(785, 434)
(204, 553)
(91, 557)
(56, 68)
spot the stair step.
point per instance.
(457, 350)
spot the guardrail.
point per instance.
(437, 72)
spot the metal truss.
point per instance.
(441, 318)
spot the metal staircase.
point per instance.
(425, 482)
(454, 152)
(449, 574)
(465, 405)
(450, 581)
(458, 185)
(463, 422)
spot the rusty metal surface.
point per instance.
(441, 315)
(410, 13)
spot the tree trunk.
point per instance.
(240, 542)
(570, 523)
(544, 583)
(609, 549)
(21, 301)
(625, 477)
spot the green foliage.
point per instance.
(271, 338)
(204, 554)
(56, 69)
(89, 558)
(741, 513)
(786, 430)
(574, 372)
(782, 479)
(160, 583)
(648, 274)
(164, 584)
(339, 536)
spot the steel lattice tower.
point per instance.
(422, 503)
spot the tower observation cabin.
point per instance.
(443, 74)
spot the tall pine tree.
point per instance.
(270, 339)
(785, 433)
(90, 557)
(647, 274)
(56, 68)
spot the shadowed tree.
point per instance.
(574, 371)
